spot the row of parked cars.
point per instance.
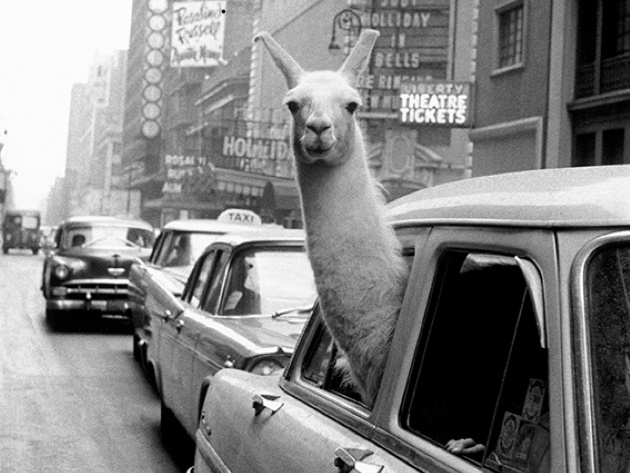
(513, 340)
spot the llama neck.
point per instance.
(356, 260)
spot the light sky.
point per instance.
(45, 47)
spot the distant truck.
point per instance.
(21, 229)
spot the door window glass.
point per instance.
(480, 381)
(214, 290)
(322, 366)
(201, 276)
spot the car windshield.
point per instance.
(185, 248)
(608, 312)
(104, 236)
(264, 281)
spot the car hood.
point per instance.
(263, 331)
(101, 263)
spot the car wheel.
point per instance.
(35, 251)
(169, 426)
(136, 348)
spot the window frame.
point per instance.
(446, 278)
(586, 429)
(498, 11)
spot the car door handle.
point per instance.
(350, 459)
(179, 324)
(266, 401)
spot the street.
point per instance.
(72, 400)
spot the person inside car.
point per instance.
(77, 240)
(244, 297)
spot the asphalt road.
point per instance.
(72, 400)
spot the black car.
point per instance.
(86, 273)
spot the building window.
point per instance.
(510, 21)
(601, 147)
(603, 47)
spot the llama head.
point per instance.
(323, 103)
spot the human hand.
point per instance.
(465, 446)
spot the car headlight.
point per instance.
(267, 366)
(62, 271)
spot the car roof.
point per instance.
(565, 197)
(206, 226)
(264, 235)
(113, 221)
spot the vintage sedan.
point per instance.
(86, 273)
(244, 306)
(175, 251)
(511, 352)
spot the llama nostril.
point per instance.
(318, 127)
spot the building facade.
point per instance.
(552, 85)
(220, 135)
(93, 155)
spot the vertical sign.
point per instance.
(197, 33)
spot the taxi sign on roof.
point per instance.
(240, 216)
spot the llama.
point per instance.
(359, 271)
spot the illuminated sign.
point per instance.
(413, 45)
(442, 104)
(180, 169)
(197, 33)
(271, 157)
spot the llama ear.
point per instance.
(358, 58)
(289, 67)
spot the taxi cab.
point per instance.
(175, 251)
(243, 306)
(513, 337)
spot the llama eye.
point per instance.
(293, 106)
(352, 106)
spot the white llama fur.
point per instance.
(359, 270)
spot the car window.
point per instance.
(481, 369)
(608, 312)
(265, 280)
(163, 250)
(106, 236)
(156, 248)
(184, 248)
(321, 366)
(201, 276)
(213, 293)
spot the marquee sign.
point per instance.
(413, 45)
(197, 33)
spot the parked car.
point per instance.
(177, 248)
(86, 272)
(513, 333)
(243, 306)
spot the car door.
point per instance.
(180, 335)
(476, 383)
(312, 422)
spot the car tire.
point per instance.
(136, 349)
(35, 251)
(169, 425)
